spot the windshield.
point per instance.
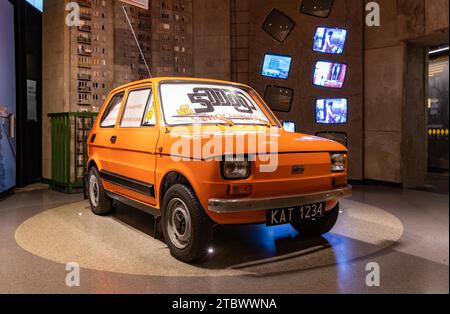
(200, 103)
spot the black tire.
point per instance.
(320, 226)
(100, 203)
(182, 200)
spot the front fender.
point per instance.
(198, 173)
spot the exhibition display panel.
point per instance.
(7, 98)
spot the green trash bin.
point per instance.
(69, 132)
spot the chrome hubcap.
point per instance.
(179, 225)
(94, 191)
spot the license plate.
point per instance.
(283, 216)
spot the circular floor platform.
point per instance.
(123, 243)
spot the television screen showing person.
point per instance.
(330, 74)
(331, 111)
(330, 40)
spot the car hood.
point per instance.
(244, 140)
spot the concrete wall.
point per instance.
(211, 31)
(55, 75)
(414, 150)
(436, 15)
(240, 40)
(395, 88)
(383, 107)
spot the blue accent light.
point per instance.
(266, 237)
(38, 4)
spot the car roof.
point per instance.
(157, 80)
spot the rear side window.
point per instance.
(109, 118)
(137, 102)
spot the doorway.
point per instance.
(29, 93)
(438, 110)
(437, 179)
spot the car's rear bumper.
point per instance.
(237, 205)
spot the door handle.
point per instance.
(113, 139)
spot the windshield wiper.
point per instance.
(229, 122)
(266, 123)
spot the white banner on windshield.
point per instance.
(192, 103)
(143, 4)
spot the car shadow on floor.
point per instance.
(256, 246)
(261, 251)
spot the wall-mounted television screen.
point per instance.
(331, 111)
(318, 8)
(330, 40)
(279, 98)
(276, 66)
(330, 74)
(278, 25)
(290, 126)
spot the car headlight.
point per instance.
(234, 169)
(338, 162)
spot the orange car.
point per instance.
(196, 153)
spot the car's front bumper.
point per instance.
(237, 205)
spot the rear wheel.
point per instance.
(100, 203)
(186, 227)
(320, 226)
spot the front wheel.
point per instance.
(320, 226)
(100, 203)
(186, 227)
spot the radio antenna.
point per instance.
(137, 42)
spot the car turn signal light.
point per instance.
(239, 189)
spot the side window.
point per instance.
(135, 107)
(109, 118)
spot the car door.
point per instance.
(134, 143)
(101, 146)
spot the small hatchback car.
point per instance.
(196, 153)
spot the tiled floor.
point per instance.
(404, 231)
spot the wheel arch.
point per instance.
(91, 163)
(170, 179)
